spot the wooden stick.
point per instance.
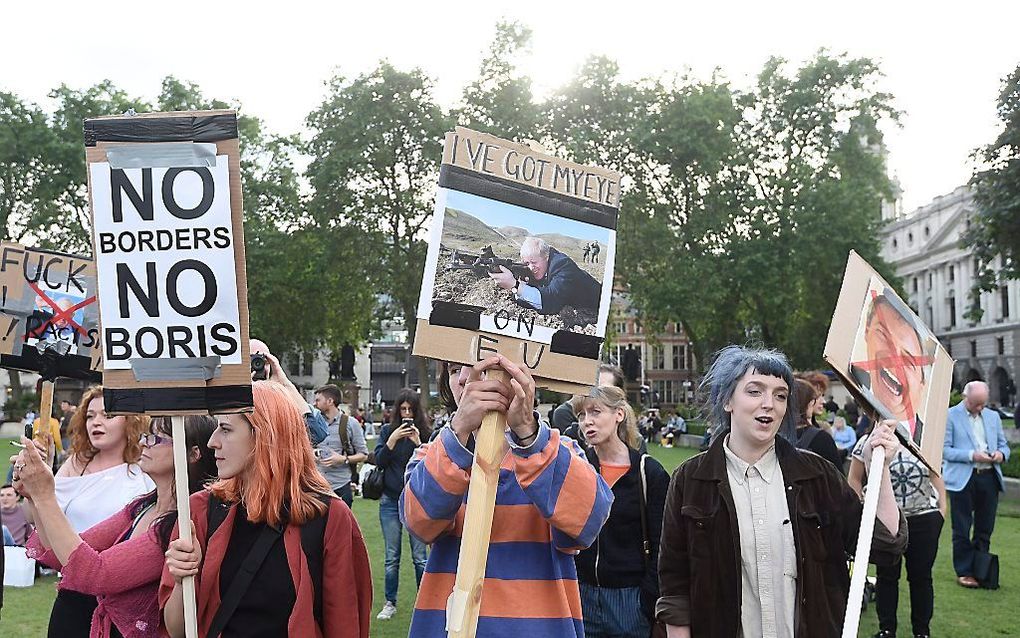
(852, 619)
(184, 520)
(40, 431)
(490, 446)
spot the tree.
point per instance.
(499, 101)
(293, 261)
(740, 206)
(26, 160)
(63, 223)
(375, 156)
(994, 233)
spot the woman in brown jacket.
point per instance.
(756, 532)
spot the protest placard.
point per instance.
(520, 263)
(896, 369)
(49, 320)
(520, 260)
(890, 361)
(165, 192)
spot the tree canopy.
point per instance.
(739, 204)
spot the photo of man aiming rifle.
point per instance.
(556, 280)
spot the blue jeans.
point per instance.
(389, 518)
(613, 613)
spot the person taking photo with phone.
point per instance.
(408, 428)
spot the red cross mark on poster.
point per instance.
(896, 360)
(59, 314)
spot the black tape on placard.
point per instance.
(576, 344)
(50, 366)
(221, 399)
(455, 315)
(499, 189)
(195, 128)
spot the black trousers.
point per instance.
(71, 616)
(346, 495)
(922, 546)
(974, 505)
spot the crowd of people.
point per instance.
(590, 536)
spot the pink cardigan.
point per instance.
(123, 576)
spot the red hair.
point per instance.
(82, 449)
(282, 483)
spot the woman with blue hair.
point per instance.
(756, 533)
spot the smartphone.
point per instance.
(407, 423)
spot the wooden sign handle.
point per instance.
(184, 519)
(852, 619)
(490, 446)
(41, 430)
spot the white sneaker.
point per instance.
(387, 611)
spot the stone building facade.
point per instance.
(924, 246)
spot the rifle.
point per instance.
(487, 262)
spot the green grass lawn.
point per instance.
(958, 612)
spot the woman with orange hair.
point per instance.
(274, 552)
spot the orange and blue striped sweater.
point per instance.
(550, 504)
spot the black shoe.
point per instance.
(885, 633)
(922, 635)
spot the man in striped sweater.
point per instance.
(550, 504)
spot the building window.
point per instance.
(927, 231)
(973, 347)
(894, 243)
(621, 327)
(1000, 345)
(306, 364)
(952, 312)
(930, 280)
(952, 273)
(1004, 301)
(910, 238)
(658, 358)
(637, 328)
(915, 284)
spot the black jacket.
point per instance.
(616, 558)
(565, 284)
(393, 462)
(700, 564)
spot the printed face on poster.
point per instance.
(890, 360)
(164, 250)
(561, 268)
(520, 260)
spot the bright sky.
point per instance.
(943, 61)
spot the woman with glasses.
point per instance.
(99, 477)
(118, 561)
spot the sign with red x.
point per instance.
(48, 310)
(890, 361)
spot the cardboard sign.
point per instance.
(165, 196)
(49, 319)
(520, 260)
(889, 360)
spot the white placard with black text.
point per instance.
(165, 263)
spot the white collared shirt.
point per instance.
(977, 426)
(768, 557)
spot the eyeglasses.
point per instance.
(152, 440)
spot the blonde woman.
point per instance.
(617, 574)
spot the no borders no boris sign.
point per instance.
(169, 253)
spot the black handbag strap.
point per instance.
(242, 580)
